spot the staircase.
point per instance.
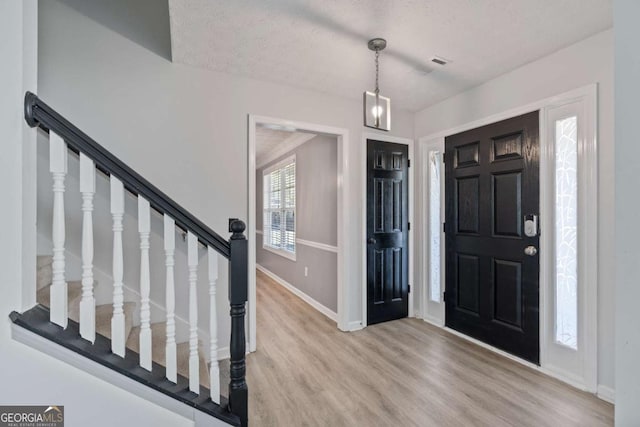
(104, 313)
(150, 354)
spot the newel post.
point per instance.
(238, 280)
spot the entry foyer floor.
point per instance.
(306, 372)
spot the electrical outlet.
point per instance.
(306, 272)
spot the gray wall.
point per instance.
(627, 205)
(316, 221)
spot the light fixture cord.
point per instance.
(377, 115)
(377, 54)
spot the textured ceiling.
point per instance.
(268, 139)
(322, 44)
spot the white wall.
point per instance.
(586, 62)
(627, 234)
(28, 376)
(183, 128)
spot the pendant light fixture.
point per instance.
(377, 108)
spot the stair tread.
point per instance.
(74, 290)
(104, 313)
(44, 271)
(43, 260)
(158, 351)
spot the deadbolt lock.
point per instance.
(531, 225)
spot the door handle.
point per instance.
(371, 241)
(530, 250)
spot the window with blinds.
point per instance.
(279, 209)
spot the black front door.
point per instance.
(492, 207)
(387, 231)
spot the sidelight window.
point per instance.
(566, 231)
(279, 208)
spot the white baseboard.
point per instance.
(607, 394)
(433, 321)
(297, 292)
(356, 325)
(565, 377)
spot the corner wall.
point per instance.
(588, 61)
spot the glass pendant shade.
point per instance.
(377, 111)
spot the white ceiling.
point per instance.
(270, 143)
(322, 44)
(268, 139)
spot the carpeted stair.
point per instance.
(103, 322)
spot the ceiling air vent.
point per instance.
(439, 60)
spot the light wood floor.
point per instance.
(306, 372)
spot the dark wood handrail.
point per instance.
(38, 114)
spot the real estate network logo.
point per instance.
(32, 416)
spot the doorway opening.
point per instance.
(300, 235)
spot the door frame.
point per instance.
(363, 191)
(588, 246)
(345, 259)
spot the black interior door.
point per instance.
(492, 267)
(387, 231)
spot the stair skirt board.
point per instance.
(37, 321)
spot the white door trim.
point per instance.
(588, 209)
(579, 368)
(363, 194)
(345, 259)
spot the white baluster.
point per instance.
(214, 370)
(58, 168)
(169, 248)
(194, 363)
(144, 228)
(88, 302)
(117, 321)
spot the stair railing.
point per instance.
(64, 136)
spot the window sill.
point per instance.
(282, 253)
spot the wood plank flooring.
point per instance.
(402, 373)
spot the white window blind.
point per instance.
(280, 207)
